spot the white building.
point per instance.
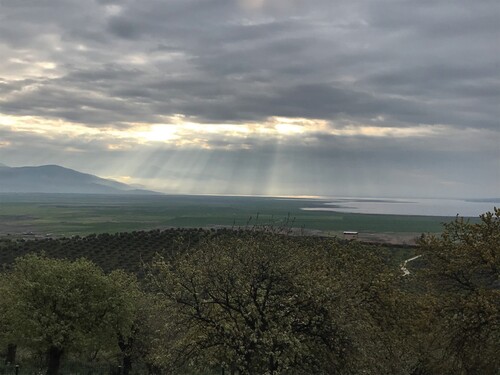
(350, 235)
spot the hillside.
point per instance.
(57, 179)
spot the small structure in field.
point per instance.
(350, 235)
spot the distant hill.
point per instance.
(57, 179)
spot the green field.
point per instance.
(69, 214)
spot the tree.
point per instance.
(131, 326)
(240, 303)
(270, 304)
(461, 271)
(58, 306)
(6, 333)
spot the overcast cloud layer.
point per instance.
(278, 97)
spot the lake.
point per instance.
(422, 207)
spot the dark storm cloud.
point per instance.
(411, 62)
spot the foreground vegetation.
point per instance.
(256, 302)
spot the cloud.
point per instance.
(226, 63)
(391, 82)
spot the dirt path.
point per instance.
(405, 270)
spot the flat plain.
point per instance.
(56, 215)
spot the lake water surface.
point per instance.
(423, 207)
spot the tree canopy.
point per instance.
(57, 306)
(271, 304)
(461, 272)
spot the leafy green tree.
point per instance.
(269, 304)
(58, 306)
(240, 303)
(131, 326)
(366, 296)
(461, 272)
(6, 333)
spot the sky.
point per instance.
(257, 97)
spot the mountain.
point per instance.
(57, 179)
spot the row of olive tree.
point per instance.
(260, 303)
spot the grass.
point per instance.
(69, 214)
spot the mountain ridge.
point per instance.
(53, 178)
